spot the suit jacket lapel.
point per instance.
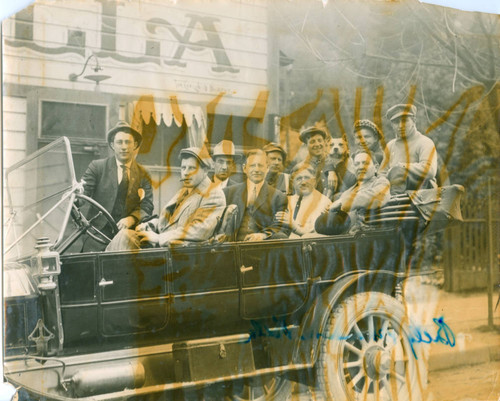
(167, 211)
(262, 196)
(133, 178)
(113, 176)
(193, 195)
(240, 200)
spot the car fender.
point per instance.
(314, 322)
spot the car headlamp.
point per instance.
(45, 264)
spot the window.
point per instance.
(74, 120)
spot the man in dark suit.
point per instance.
(257, 202)
(119, 184)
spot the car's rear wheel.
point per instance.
(262, 388)
(366, 352)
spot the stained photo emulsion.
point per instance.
(250, 200)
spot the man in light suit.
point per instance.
(306, 205)
(119, 184)
(257, 202)
(191, 215)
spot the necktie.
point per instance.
(297, 207)
(125, 180)
(253, 196)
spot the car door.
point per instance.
(205, 291)
(273, 277)
(133, 292)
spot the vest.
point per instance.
(248, 225)
(119, 210)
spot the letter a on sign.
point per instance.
(212, 41)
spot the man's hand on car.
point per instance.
(255, 237)
(148, 237)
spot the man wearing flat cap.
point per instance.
(316, 141)
(119, 184)
(410, 161)
(367, 136)
(276, 159)
(225, 158)
(190, 216)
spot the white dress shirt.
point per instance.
(250, 189)
(221, 184)
(119, 169)
(310, 208)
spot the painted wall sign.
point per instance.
(195, 49)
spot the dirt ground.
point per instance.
(469, 383)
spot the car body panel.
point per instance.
(114, 325)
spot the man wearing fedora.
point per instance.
(119, 184)
(276, 159)
(410, 161)
(191, 215)
(225, 158)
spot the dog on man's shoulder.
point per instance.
(338, 169)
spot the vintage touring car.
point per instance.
(246, 319)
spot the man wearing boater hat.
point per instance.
(410, 161)
(225, 158)
(191, 215)
(119, 184)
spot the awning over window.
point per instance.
(170, 113)
(166, 128)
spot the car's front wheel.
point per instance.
(366, 352)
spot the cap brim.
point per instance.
(278, 150)
(197, 157)
(400, 114)
(235, 157)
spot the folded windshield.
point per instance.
(38, 198)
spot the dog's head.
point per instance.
(339, 148)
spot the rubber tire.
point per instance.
(333, 379)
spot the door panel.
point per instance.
(273, 279)
(79, 300)
(204, 289)
(133, 290)
(135, 317)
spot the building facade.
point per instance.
(183, 72)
